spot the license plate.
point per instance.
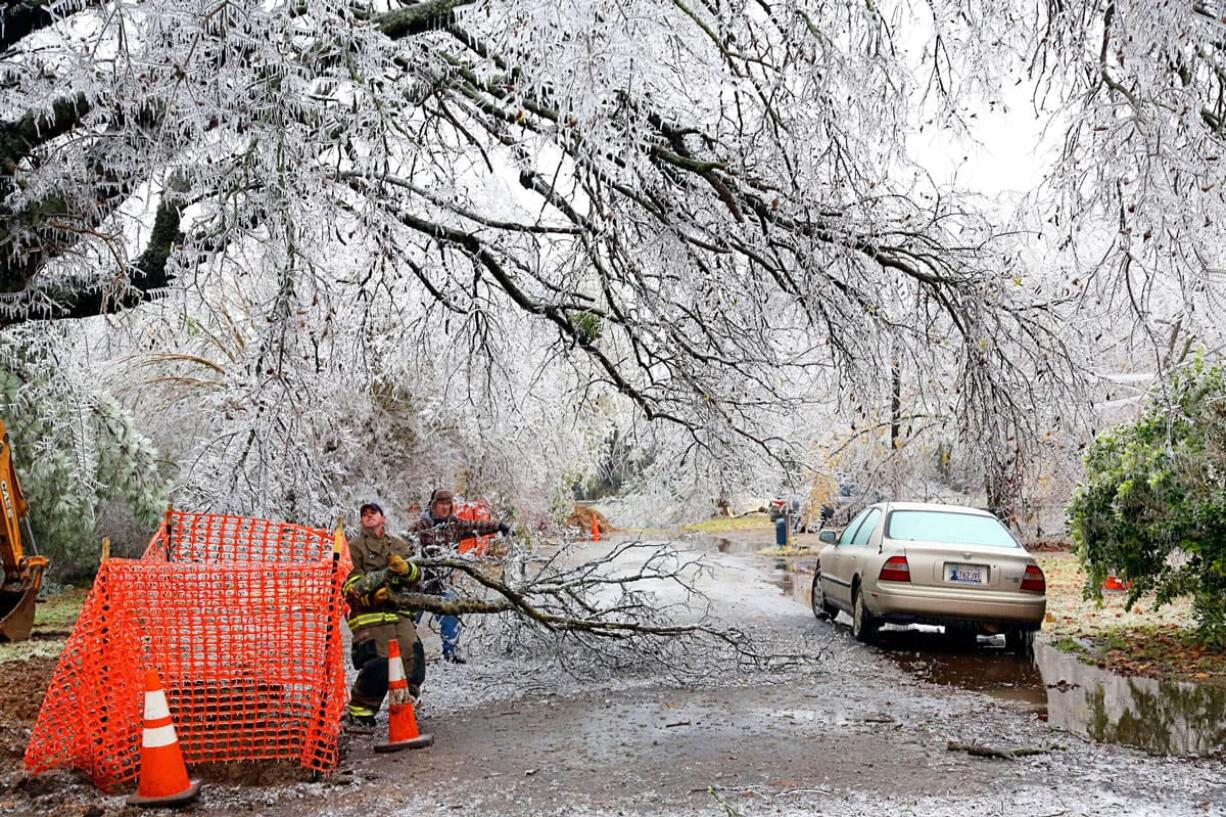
(966, 574)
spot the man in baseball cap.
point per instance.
(380, 564)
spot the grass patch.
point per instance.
(60, 611)
(1069, 613)
(794, 550)
(1069, 645)
(25, 650)
(1146, 640)
(1162, 650)
(53, 619)
(732, 524)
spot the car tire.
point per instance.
(822, 609)
(1020, 641)
(864, 624)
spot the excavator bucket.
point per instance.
(23, 574)
(17, 614)
(17, 599)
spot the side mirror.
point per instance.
(829, 536)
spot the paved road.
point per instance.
(849, 734)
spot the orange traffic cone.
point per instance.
(595, 529)
(401, 722)
(163, 777)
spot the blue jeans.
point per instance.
(448, 626)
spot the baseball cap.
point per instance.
(370, 506)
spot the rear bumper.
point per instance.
(901, 604)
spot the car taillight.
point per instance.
(1033, 580)
(895, 569)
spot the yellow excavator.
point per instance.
(23, 574)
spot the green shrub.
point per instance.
(1153, 507)
(75, 449)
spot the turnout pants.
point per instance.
(369, 654)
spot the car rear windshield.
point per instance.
(954, 528)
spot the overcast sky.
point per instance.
(1006, 154)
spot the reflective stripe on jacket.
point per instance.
(370, 572)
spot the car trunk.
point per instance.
(973, 567)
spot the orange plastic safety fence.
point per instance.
(240, 617)
(474, 511)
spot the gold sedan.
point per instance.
(915, 563)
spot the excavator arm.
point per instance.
(23, 574)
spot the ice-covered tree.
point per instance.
(704, 212)
(75, 450)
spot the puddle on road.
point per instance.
(1162, 717)
(989, 669)
(724, 545)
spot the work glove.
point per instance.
(504, 528)
(402, 571)
(381, 595)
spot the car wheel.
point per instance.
(864, 624)
(1020, 641)
(822, 609)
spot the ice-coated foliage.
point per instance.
(1143, 144)
(75, 449)
(390, 245)
(1153, 509)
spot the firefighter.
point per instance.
(379, 569)
(439, 531)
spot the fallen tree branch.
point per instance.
(561, 600)
(638, 598)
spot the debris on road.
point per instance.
(979, 750)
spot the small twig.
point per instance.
(791, 792)
(978, 750)
(728, 809)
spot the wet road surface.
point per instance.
(859, 731)
(1160, 717)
